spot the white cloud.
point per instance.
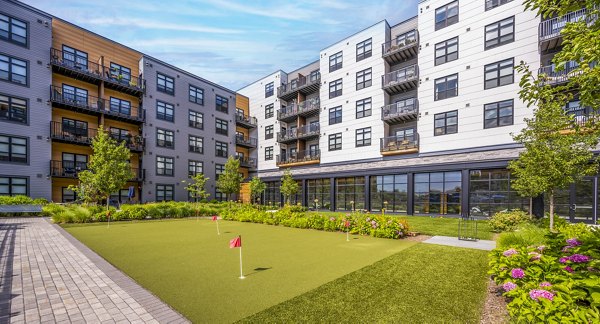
(150, 24)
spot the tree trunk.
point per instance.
(530, 207)
(108, 210)
(551, 201)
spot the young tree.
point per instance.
(230, 181)
(196, 189)
(257, 187)
(289, 186)
(108, 170)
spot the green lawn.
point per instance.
(188, 266)
(423, 284)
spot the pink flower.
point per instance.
(568, 269)
(579, 258)
(541, 248)
(536, 294)
(508, 286)
(573, 242)
(545, 284)
(534, 256)
(563, 259)
(517, 273)
(510, 252)
(332, 218)
(566, 249)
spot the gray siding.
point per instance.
(37, 130)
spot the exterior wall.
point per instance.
(36, 93)
(180, 127)
(243, 103)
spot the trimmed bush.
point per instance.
(507, 221)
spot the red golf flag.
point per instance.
(215, 218)
(347, 223)
(236, 242)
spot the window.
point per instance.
(13, 109)
(165, 84)
(196, 144)
(335, 88)
(13, 149)
(364, 50)
(13, 70)
(120, 106)
(446, 123)
(406, 38)
(446, 87)
(76, 95)
(490, 192)
(196, 119)
(269, 111)
(446, 15)
(68, 195)
(75, 58)
(491, 4)
(222, 104)
(392, 189)
(119, 134)
(500, 33)
(347, 190)
(77, 128)
(437, 193)
(498, 114)
(269, 153)
(335, 142)
(222, 126)
(165, 138)
(196, 95)
(363, 108)
(499, 74)
(164, 111)
(219, 169)
(269, 131)
(335, 61)
(195, 167)
(272, 194)
(335, 115)
(446, 51)
(363, 79)
(363, 137)
(164, 166)
(73, 163)
(120, 73)
(221, 149)
(13, 30)
(269, 89)
(318, 189)
(12, 186)
(315, 75)
(164, 192)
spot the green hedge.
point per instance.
(21, 200)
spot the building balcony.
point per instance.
(71, 169)
(75, 135)
(302, 84)
(402, 80)
(395, 145)
(299, 158)
(138, 174)
(549, 75)
(122, 82)
(305, 109)
(245, 121)
(247, 162)
(247, 142)
(401, 111)
(306, 132)
(134, 143)
(549, 31)
(400, 50)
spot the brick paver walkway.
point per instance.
(48, 276)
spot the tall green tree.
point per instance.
(257, 187)
(289, 186)
(230, 181)
(108, 169)
(195, 187)
(558, 148)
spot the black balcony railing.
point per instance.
(551, 28)
(401, 80)
(305, 84)
(246, 141)
(304, 108)
(549, 75)
(402, 48)
(70, 133)
(75, 64)
(66, 169)
(301, 157)
(398, 144)
(246, 121)
(121, 81)
(132, 142)
(302, 132)
(247, 162)
(399, 111)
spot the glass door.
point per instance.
(582, 201)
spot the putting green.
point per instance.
(190, 267)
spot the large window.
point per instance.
(120, 134)
(222, 104)
(13, 109)
(315, 75)
(498, 114)
(318, 189)
(335, 142)
(269, 89)
(348, 190)
(165, 138)
(335, 115)
(120, 106)
(446, 15)
(389, 192)
(222, 127)
(221, 149)
(13, 149)
(335, 88)
(500, 33)
(165, 84)
(269, 111)
(364, 79)
(446, 87)
(499, 74)
(13, 30)
(68, 195)
(335, 61)
(363, 108)
(491, 4)
(120, 73)
(219, 196)
(219, 169)
(13, 70)
(164, 192)
(269, 153)
(363, 137)
(437, 193)
(165, 111)
(164, 166)
(269, 130)
(196, 119)
(195, 167)
(13, 186)
(446, 51)
(196, 144)
(196, 95)
(272, 194)
(75, 95)
(364, 50)
(490, 192)
(75, 58)
(446, 123)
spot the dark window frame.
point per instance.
(193, 167)
(11, 185)
(497, 108)
(10, 74)
(269, 89)
(336, 61)
(169, 84)
(447, 92)
(221, 126)
(362, 75)
(364, 141)
(361, 112)
(166, 160)
(222, 104)
(193, 117)
(445, 116)
(447, 56)
(364, 49)
(10, 33)
(196, 95)
(491, 4)
(120, 106)
(268, 153)
(447, 21)
(269, 111)
(335, 84)
(269, 131)
(337, 115)
(164, 115)
(497, 68)
(166, 133)
(165, 189)
(497, 27)
(196, 148)
(335, 142)
(10, 154)
(221, 149)
(120, 70)
(8, 107)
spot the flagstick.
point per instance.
(218, 232)
(347, 235)
(241, 273)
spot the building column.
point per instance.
(595, 200)
(368, 192)
(332, 194)
(304, 195)
(464, 193)
(410, 193)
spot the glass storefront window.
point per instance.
(348, 190)
(437, 193)
(392, 189)
(318, 189)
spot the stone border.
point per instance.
(156, 307)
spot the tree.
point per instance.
(230, 181)
(257, 187)
(108, 170)
(196, 189)
(558, 149)
(289, 186)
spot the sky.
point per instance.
(232, 43)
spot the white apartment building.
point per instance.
(415, 117)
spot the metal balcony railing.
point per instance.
(399, 143)
(304, 108)
(247, 162)
(75, 63)
(402, 79)
(301, 132)
(551, 28)
(400, 111)
(399, 44)
(549, 75)
(249, 122)
(66, 169)
(133, 142)
(246, 141)
(300, 83)
(69, 133)
(299, 157)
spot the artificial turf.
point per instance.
(423, 284)
(190, 267)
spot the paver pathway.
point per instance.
(454, 241)
(48, 276)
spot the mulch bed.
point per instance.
(494, 309)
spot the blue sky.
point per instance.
(231, 43)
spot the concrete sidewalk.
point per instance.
(454, 241)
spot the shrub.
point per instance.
(506, 221)
(525, 235)
(15, 200)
